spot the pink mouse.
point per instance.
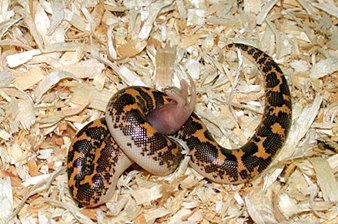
(170, 117)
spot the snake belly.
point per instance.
(103, 149)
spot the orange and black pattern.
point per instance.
(94, 152)
(243, 164)
(127, 113)
(91, 163)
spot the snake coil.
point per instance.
(105, 148)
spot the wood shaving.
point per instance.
(326, 179)
(63, 60)
(165, 66)
(15, 60)
(6, 198)
(324, 67)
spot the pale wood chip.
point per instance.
(196, 17)
(88, 95)
(15, 60)
(299, 129)
(26, 80)
(144, 195)
(165, 65)
(181, 9)
(5, 135)
(25, 116)
(58, 15)
(76, 20)
(154, 9)
(326, 179)
(131, 48)
(153, 214)
(6, 198)
(327, 7)
(324, 67)
(252, 6)
(307, 6)
(254, 214)
(84, 69)
(265, 10)
(130, 77)
(49, 81)
(6, 78)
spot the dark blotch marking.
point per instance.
(203, 152)
(267, 67)
(145, 101)
(242, 46)
(250, 148)
(159, 98)
(157, 142)
(135, 118)
(109, 155)
(251, 51)
(207, 154)
(189, 128)
(257, 54)
(82, 146)
(122, 101)
(262, 60)
(271, 80)
(96, 133)
(274, 99)
(273, 142)
(245, 174)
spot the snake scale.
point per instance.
(132, 131)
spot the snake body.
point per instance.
(104, 148)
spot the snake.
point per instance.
(141, 124)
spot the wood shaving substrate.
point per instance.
(61, 61)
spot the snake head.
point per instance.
(170, 117)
